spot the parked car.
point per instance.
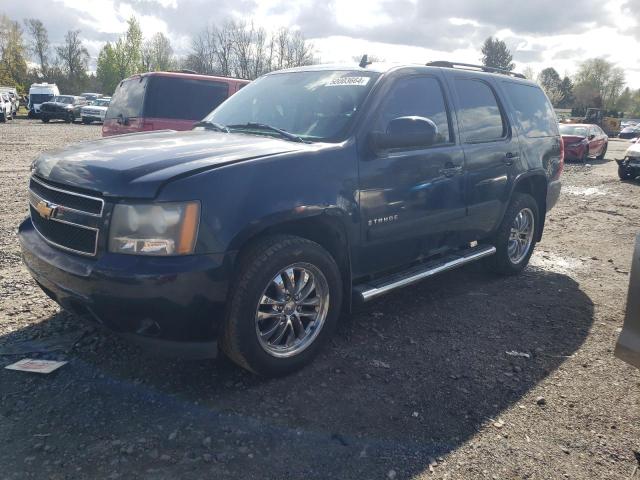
(91, 97)
(161, 100)
(583, 140)
(631, 131)
(62, 107)
(40, 93)
(308, 190)
(629, 166)
(96, 111)
(628, 345)
(6, 107)
(13, 96)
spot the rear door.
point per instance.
(491, 150)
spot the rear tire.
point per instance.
(252, 312)
(625, 173)
(513, 250)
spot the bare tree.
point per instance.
(157, 54)
(74, 57)
(39, 44)
(244, 50)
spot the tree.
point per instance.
(568, 98)
(549, 80)
(529, 73)
(496, 54)
(107, 72)
(13, 64)
(74, 60)
(157, 54)
(39, 45)
(128, 50)
(603, 77)
(242, 50)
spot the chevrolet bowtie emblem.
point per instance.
(46, 210)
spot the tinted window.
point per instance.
(416, 96)
(479, 113)
(183, 98)
(534, 113)
(127, 99)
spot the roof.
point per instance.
(384, 67)
(195, 76)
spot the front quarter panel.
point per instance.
(241, 200)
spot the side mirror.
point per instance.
(405, 132)
(591, 136)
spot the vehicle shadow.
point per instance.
(406, 379)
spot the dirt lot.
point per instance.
(417, 385)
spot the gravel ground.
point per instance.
(416, 385)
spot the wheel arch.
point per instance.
(325, 228)
(534, 184)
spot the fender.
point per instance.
(537, 173)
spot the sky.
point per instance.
(539, 33)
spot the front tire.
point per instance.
(603, 152)
(283, 305)
(86, 121)
(44, 119)
(515, 239)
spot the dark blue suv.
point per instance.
(309, 190)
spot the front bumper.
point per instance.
(574, 153)
(167, 303)
(93, 118)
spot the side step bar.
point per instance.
(369, 291)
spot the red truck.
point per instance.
(165, 100)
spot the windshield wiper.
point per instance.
(263, 126)
(211, 126)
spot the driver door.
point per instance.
(412, 200)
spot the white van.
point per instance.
(40, 93)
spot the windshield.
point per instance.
(101, 103)
(315, 105)
(62, 99)
(40, 97)
(574, 130)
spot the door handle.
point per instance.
(510, 157)
(450, 171)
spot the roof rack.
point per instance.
(469, 66)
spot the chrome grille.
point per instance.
(68, 220)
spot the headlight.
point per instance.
(154, 229)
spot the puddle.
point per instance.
(555, 263)
(583, 191)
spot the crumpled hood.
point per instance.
(137, 165)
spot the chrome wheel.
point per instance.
(292, 310)
(521, 236)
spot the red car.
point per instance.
(583, 140)
(165, 100)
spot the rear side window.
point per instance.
(182, 98)
(535, 116)
(127, 99)
(416, 96)
(480, 116)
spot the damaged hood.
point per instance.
(138, 165)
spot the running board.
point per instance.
(369, 291)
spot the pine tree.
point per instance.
(496, 54)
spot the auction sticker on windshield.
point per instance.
(348, 81)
